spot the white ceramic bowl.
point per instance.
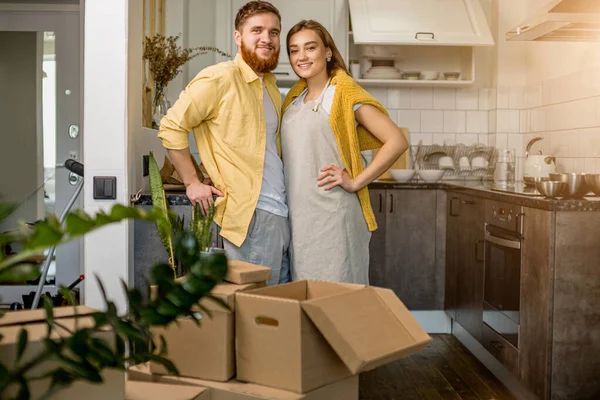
(430, 75)
(402, 175)
(431, 175)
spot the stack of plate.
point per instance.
(382, 72)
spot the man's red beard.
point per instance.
(259, 64)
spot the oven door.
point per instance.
(502, 283)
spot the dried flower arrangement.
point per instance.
(165, 59)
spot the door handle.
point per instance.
(425, 33)
(391, 203)
(467, 202)
(452, 214)
(496, 345)
(380, 203)
(477, 243)
(513, 244)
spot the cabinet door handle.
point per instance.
(391, 203)
(467, 202)
(496, 345)
(477, 243)
(452, 200)
(380, 203)
(425, 33)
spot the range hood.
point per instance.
(561, 21)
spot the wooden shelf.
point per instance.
(406, 82)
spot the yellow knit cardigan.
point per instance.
(351, 139)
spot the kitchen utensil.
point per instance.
(402, 175)
(478, 162)
(431, 175)
(446, 162)
(575, 184)
(452, 76)
(533, 180)
(504, 173)
(537, 165)
(429, 75)
(550, 189)
(593, 182)
(412, 75)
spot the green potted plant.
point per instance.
(83, 356)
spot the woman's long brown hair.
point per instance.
(337, 61)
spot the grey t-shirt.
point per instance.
(272, 193)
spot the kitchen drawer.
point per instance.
(500, 348)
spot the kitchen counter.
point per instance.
(485, 189)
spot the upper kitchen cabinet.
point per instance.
(333, 14)
(420, 22)
(417, 42)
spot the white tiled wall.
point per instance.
(435, 115)
(564, 110)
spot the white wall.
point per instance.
(112, 112)
(549, 89)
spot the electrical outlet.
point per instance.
(74, 155)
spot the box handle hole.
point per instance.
(266, 321)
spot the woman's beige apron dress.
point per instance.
(330, 237)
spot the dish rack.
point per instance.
(428, 156)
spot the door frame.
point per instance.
(58, 18)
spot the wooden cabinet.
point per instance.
(333, 14)
(403, 249)
(464, 261)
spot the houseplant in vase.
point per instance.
(165, 59)
(81, 355)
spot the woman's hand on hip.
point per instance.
(332, 176)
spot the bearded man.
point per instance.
(234, 110)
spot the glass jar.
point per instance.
(504, 173)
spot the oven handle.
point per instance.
(513, 244)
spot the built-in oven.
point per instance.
(502, 275)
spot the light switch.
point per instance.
(105, 187)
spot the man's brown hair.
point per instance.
(253, 8)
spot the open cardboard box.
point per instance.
(304, 335)
(346, 389)
(11, 324)
(205, 351)
(241, 272)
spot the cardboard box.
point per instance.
(241, 272)
(345, 389)
(304, 335)
(11, 324)
(162, 391)
(205, 351)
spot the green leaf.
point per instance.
(162, 274)
(23, 393)
(49, 313)
(47, 233)
(102, 352)
(19, 273)
(23, 335)
(165, 307)
(159, 202)
(67, 295)
(128, 330)
(170, 367)
(79, 223)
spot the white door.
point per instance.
(40, 97)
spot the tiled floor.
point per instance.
(444, 370)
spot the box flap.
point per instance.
(135, 390)
(241, 272)
(367, 328)
(39, 315)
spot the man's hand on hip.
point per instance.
(202, 194)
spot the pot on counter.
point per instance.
(537, 165)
